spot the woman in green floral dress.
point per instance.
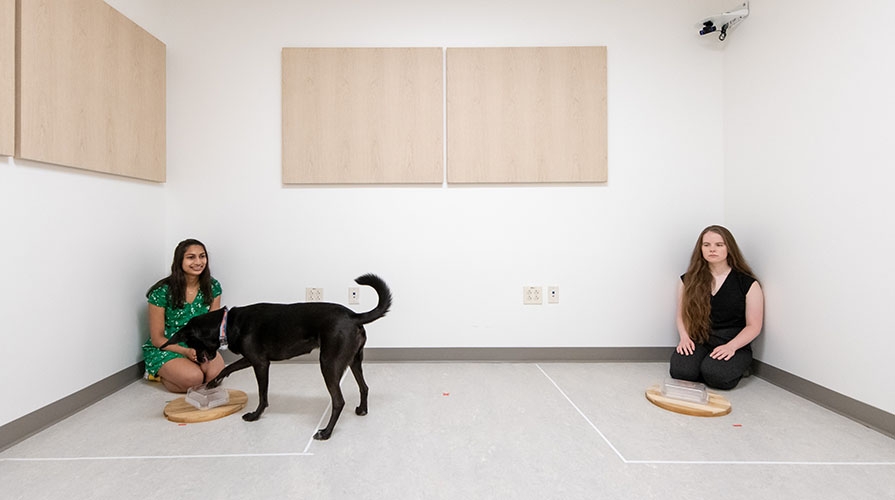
(187, 292)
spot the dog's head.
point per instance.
(201, 333)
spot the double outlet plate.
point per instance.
(533, 295)
(316, 295)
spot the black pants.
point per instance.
(716, 373)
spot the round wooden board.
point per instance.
(182, 412)
(718, 405)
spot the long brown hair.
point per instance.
(176, 281)
(696, 305)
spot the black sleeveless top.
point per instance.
(729, 302)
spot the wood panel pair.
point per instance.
(7, 77)
(91, 89)
(514, 115)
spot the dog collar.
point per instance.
(223, 346)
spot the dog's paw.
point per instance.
(360, 411)
(322, 435)
(251, 416)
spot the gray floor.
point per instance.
(459, 431)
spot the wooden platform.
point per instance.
(182, 412)
(718, 405)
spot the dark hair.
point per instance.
(176, 281)
(696, 305)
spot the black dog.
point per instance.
(274, 332)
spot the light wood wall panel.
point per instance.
(7, 77)
(363, 115)
(92, 89)
(520, 115)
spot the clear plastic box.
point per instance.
(685, 390)
(204, 399)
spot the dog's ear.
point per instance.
(202, 328)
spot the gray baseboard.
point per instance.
(875, 418)
(499, 354)
(40, 419)
(517, 354)
(872, 417)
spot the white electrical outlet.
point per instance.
(553, 295)
(313, 294)
(354, 295)
(531, 295)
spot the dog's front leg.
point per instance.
(239, 364)
(261, 375)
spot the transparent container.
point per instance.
(685, 390)
(204, 399)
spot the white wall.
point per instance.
(77, 254)
(456, 257)
(808, 134)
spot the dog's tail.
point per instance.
(385, 298)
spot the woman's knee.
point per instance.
(684, 367)
(721, 375)
(180, 374)
(724, 384)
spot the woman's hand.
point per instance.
(685, 346)
(190, 354)
(723, 352)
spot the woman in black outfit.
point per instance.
(720, 312)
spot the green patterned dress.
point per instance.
(175, 319)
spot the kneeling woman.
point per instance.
(720, 312)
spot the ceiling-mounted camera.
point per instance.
(724, 22)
